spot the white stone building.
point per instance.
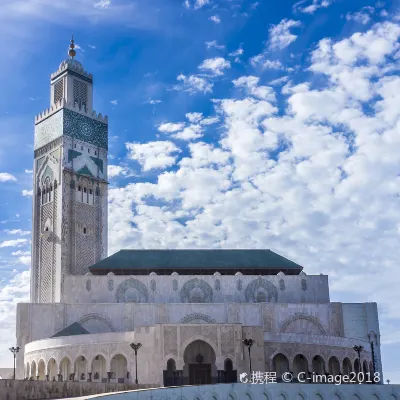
(189, 309)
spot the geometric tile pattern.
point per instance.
(85, 128)
(251, 290)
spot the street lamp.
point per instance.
(136, 347)
(14, 350)
(248, 343)
(358, 350)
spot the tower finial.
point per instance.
(72, 52)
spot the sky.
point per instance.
(232, 124)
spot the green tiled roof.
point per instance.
(71, 330)
(208, 261)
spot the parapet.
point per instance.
(70, 106)
(73, 65)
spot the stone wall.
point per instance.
(40, 390)
(179, 288)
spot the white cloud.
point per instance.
(15, 291)
(17, 232)
(209, 121)
(6, 177)
(215, 65)
(237, 52)
(152, 101)
(169, 127)
(153, 155)
(304, 6)
(13, 243)
(278, 81)
(25, 260)
(263, 62)
(280, 36)
(21, 253)
(191, 132)
(194, 116)
(194, 84)
(27, 193)
(214, 45)
(29, 171)
(103, 4)
(215, 18)
(362, 17)
(196, 4)
(250, 83)
(117, 170)
(114, 102)
(92, 46)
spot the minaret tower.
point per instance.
(70, 183)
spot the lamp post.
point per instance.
(14, 350)
(136, 347)
(248, 343)
(358, 350)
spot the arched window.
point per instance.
(84, 190)
(79, 188)
(84, 231)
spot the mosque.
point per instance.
(191, 316)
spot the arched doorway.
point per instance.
(172, 377)
(318, 365)
(52, 369)
(65, 369)
(80, 369)
(99, 369)
(347, 367)
(229, 375)
(199, 368)
(119, 368)
(280, 365)
(334, 366)
(41, 370)
(33, 370)
(300, 367)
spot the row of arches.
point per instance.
(81, 369)
(46, 191)
(319, 366)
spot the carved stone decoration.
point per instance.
(191, 318)
(227, 340)
(88, 285)
(170, 340)
(217, 285)
(132, 291)
(313, 320)
(175, 285)
(303, 284)
(196, 290)
(281, 284)
(110, 285)
(153, 285)
(239, 285)
(253, 287)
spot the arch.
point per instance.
(315, 328)
(132, 291)
(65, 368)
(365, 366)
(187, 342)
(347, 367)
(80, 368)
(371, 368)
(99, 368)
(95, 327)
(41, 370)
(318, 396)
(280, 365)
(261, 285)
(318, 365)
(334, 366)
(52, 369)
(196, 288)
(356, 365)
(119, 368)
(199, 356)
(169, 374)
(375, 397)
(248, 396)
(27, 371)
(228, 365)
(300, 365)
(33, 370)
(197, 316)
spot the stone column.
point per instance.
(89, 377)
(109, 376)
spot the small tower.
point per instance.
(70, 183)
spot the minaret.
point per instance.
(70, 183)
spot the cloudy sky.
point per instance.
(233, 124)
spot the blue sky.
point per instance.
(232, 124)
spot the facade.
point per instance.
(189, 309)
